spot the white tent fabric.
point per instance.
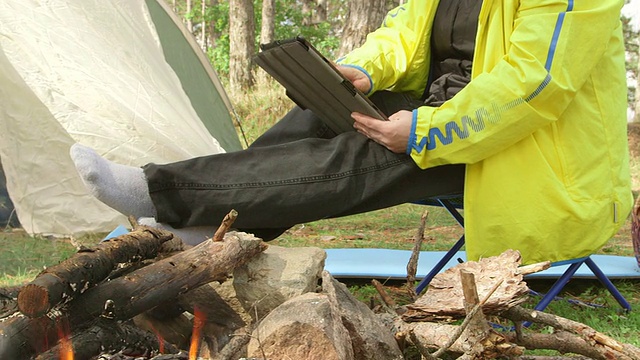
(93, 72)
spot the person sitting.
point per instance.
(521, 105)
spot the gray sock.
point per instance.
(124, 188)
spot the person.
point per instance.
(519, 104)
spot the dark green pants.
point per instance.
(298, 171)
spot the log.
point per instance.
(63, 282)
(443, 298)
(152, 285)
(8, 301)
(109, 336)
(176, 330)
(604, 344)
(139, 291)
(563, 342)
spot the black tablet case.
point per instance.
(314, 83)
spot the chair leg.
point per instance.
(564, 279)
(440, 265)
(608, 284)
(558, 286)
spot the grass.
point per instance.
(24, 256)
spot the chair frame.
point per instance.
(556, 288)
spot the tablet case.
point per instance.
(314, 83)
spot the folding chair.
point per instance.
(453, 203)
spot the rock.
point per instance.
(305, 327)
(370, 338)
(277, 275)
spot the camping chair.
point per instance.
(453, 203)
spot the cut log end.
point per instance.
(33, 300)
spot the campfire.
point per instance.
(145, 295)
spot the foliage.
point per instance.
(288, 23)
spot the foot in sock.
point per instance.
(124, 188)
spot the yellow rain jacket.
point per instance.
(541, 126)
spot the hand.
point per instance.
(358, 78)
(392, 134)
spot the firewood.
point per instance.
(63, 282)
(603, 343)
(443, 299)
(228, 220)
(176, 330)
(236, 345)
(8, 301)
(107, 335)
(139, 291)
(412, 265)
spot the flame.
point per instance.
(160, 339)
(64, 340)
(198, 323)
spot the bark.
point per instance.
(443, 299)
(363, 17)
(241, 44)
(70, 278)
(133, 294)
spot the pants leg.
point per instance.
(297, 172)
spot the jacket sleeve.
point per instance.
(394, 56)
(553, 49)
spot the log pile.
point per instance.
(145, 295)
(94, 295)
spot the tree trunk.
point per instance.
(203, 28)
(636, 118)
(241, 44)
(363, 17)
(307, 6)
(188, 16)
(320, 15)
(268, 21)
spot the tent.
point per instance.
(123, 77)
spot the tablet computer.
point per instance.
(314, 83)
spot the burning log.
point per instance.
(63, 282)
(134, 293)
(108, 335)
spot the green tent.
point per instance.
(122, 77)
